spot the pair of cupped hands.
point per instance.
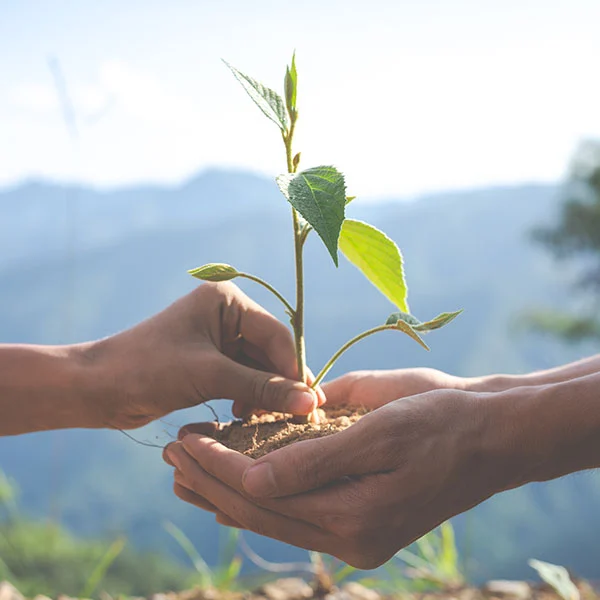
(361, 494)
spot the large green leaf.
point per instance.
(215, 272)
(319, 195)
(270, 102)
(378, 257)
(417, 325)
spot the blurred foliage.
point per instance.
(576, 237)
(224, 576)
(44, 558)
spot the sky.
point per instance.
(405, 97)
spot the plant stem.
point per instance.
(298, 313)
(345, 347)
(258, 280)
(298, 318)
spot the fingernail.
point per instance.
(300, 403)
(174, 459)
(259, 480)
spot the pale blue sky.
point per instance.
(403, 96)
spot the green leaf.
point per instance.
(378, 257)
(557, 577)
(349, 199)
(215, 272)
(206, 575)
(402, 316)
(438, 322)
(417, 325)
(319, 195)
(406, 328)
(291, 88)
(266, 99)
(102, 567)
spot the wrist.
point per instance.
(88, 390)
(114, 390)
(539, 433)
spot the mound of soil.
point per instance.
(260, 434)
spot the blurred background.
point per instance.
(129, 154)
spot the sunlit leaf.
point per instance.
(215, 272)
(291, 87)
(269, 102)
(377, 257)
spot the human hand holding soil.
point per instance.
(401, 470)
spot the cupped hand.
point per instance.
(373, 389)
(364, 493)
(214, 342)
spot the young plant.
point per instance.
(318, 199)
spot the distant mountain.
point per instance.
(467, 250)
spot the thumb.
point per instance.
(311, 464)
(259, 389)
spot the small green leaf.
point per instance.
(557, 577)
(349, 199)
(266, 99)
(378, 257)
(214, 272)
(417, 325)
(438, 322)
(402, 316)
(291, 88)
(406, 328)
(319, 195)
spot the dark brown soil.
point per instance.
(261, 434)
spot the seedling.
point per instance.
(318, 199)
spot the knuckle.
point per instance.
(262, 393)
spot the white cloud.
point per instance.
(35, 97)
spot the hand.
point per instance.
(213, 343)
(373, 389)
(364, 493)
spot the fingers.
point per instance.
(312, 464)
(338, 391)
(321, 397)
(319, 507)
(255, 518)
(205, 428)
(190, 497)
(258, 389)
(260, 328)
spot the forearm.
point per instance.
(547, 431)
(46, 387)
(563, 373)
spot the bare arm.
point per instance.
(213, 343)
(498, 383)
(45, 388)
